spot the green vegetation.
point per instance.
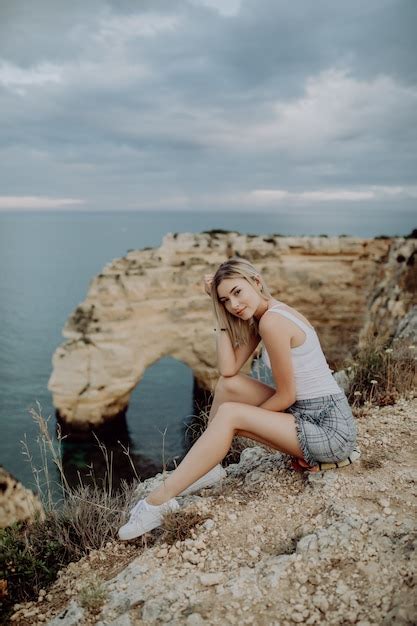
(92, 596)
(31, 556)
(219, 231)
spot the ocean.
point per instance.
(47, 260)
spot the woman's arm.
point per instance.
(276, 335)
(230, 360)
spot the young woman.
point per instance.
(306, 415)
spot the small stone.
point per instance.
(191, 557)
(341, 588)
(321, 603)
(161, 553)
(384, 502)
(211, 578)
(253, 553)
(195, 619)
(297, 617)
(208, 524)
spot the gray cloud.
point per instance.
(208, 102)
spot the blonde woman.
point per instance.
(306, 414)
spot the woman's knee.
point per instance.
(226, 410)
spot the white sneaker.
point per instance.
(144, 517)
(212, 477)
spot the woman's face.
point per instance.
(240, 298)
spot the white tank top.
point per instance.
(313, 377)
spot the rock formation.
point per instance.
(392, 306)
(17, 504)
(151, 303)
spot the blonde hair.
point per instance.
(240, 331)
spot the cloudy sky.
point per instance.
(208, 104)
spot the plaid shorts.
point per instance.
(326, 428)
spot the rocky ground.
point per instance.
(274, 547)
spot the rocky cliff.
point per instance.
(392, 305)
(17, 504)
(333, 548)
(150, 303)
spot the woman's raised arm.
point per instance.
(230, 360)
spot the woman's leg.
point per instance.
(231, 417)
(239, 388)
(243, 388)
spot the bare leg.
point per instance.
(243, 388)
(275, 427)
(239, 388)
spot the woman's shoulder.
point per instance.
(289, 309)
(271, 321)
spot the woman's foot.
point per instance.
(144, 517)
(300, 465)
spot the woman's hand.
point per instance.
(208, 280)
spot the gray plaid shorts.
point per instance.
(326, 428)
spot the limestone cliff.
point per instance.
(17, 504)
(151, 303)
(392, 304)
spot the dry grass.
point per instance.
(178, 525)
(381, 372)
(86, 517)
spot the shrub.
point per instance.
(92, 596)
(382, 371)
(31, 556)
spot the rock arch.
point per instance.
(151, 303)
